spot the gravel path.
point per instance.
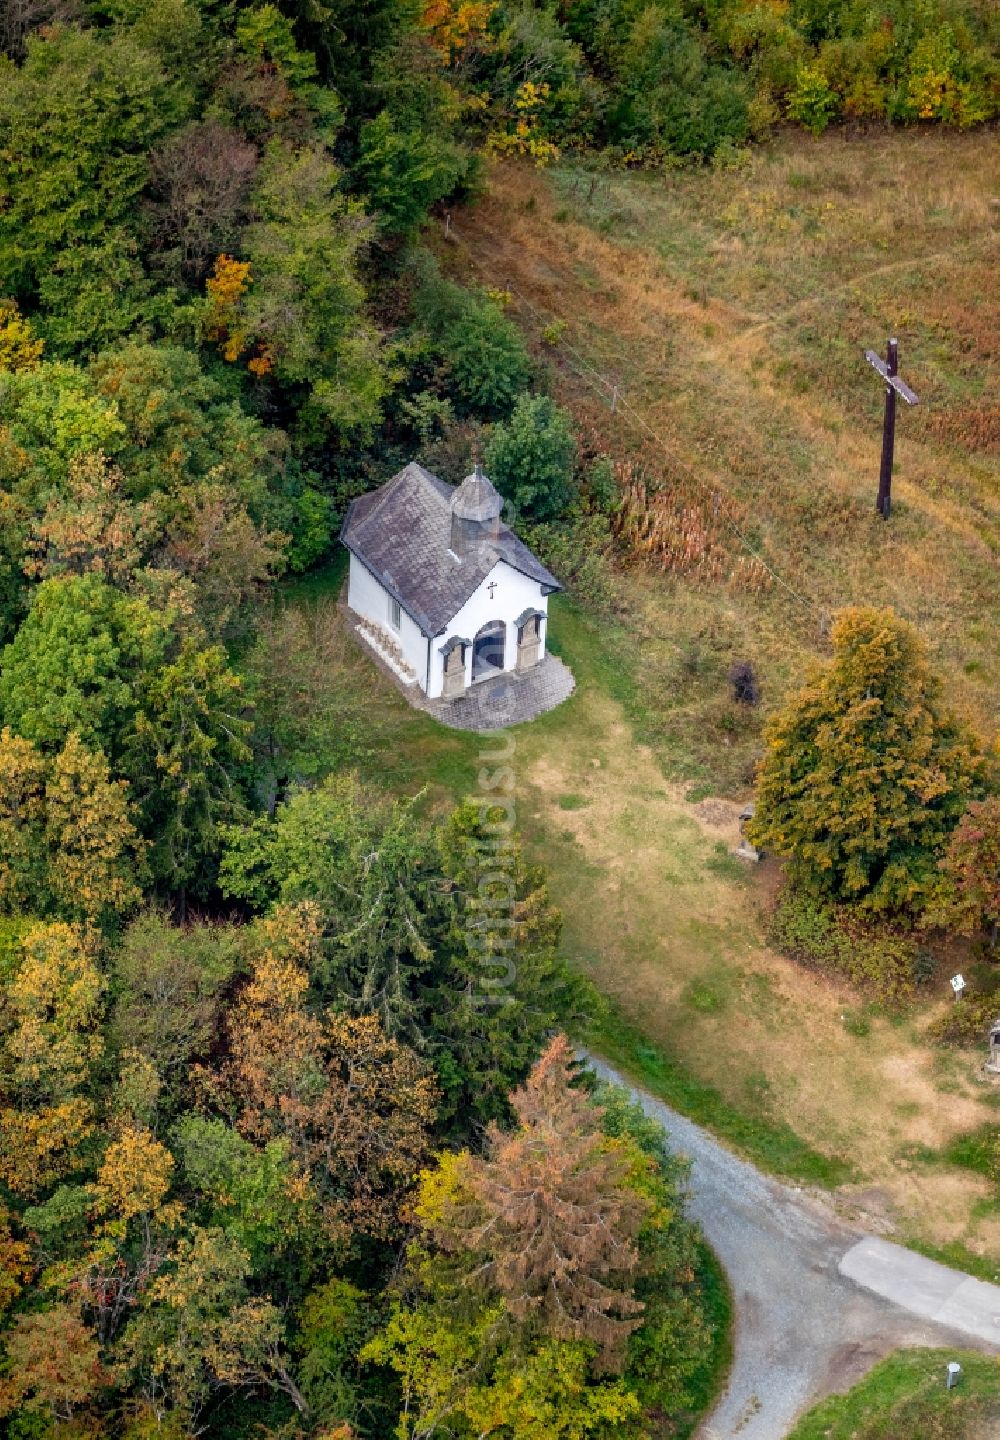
(817, 1302)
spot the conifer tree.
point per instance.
(866, 772)
(552, 1221)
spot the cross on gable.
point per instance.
(491, 587)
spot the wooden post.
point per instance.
(884, 502)
(888, 369)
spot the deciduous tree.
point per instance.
(169, 983)
(51, 1045)
(22, 815)
(95, 856)
(214, 541)
(463, 1374)
(530, 458)
(134, 1222)
(15, 1262)
(257, 1195)
(306, 305)
(353, 1105)
(76, 662)
(19, 348)
(53, 1365)
(199, 1329)
(200, 177)
(70, 845)
(970, 898)
(91, 526)
(79, 116)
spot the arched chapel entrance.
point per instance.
(488, 649)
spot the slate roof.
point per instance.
(402, 533)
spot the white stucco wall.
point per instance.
(514, 593)
(369, 597)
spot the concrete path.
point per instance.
(817, 1302)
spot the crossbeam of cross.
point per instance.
(893, 386)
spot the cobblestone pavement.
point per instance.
(816, 1302)
(506, 699)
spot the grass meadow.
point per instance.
(731, 309)
(906, 1395)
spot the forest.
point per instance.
(266, 1164)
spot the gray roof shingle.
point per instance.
(477, 498)
(402, 533)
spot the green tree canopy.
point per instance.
(304, 306)
(408, 929)
(169, 985)
(78, 118)
(187, 743)
(530, 458)
(77, 663)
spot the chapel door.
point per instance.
(488, 649)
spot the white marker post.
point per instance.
(958, 985)
(954, 1370)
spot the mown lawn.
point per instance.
(906, 1398)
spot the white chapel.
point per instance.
(442, 584)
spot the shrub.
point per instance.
(669, 99)
(820, 936)
(482, 356)
(966, 1022)
(404, 170)
(970, 873)
(925, 965)
(530, 459)
(601, 485)
(744, 683)
(812, 102)
(579, 554)
(486, 359)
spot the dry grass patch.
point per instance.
(677, 944)
(732, 307)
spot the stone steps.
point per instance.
(385, 646)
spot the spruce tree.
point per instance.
(866, 771)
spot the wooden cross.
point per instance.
(893, 387)
(491, 587)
